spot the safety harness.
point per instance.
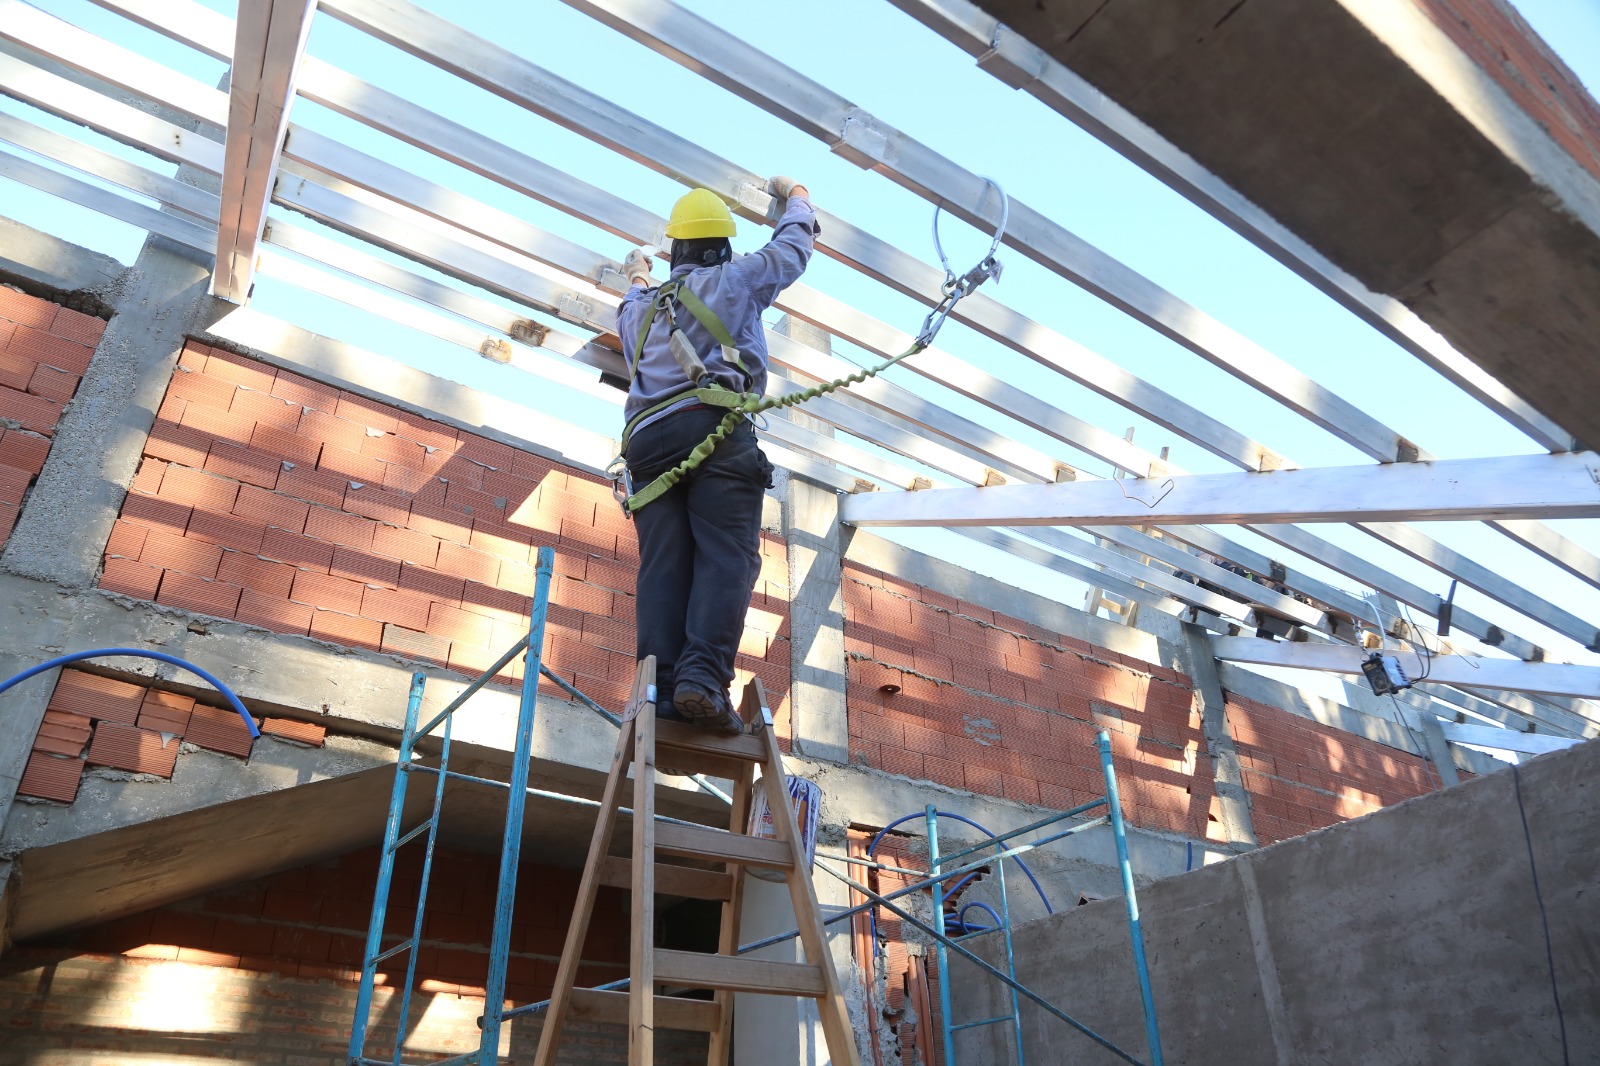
(741, 405)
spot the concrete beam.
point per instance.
(1485, 227)
(50, 268)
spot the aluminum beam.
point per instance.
(105, 202)
(745, 71)
(1487, 736)
(270, 36)
(1557, 486)
(515, 79)
(1558, 679)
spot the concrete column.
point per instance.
(788, 1028)
(61, 534)
(1229, 778)
(816, 602)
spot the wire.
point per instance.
(1425, 661)
(1544, 919)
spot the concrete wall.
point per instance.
(1459, 927)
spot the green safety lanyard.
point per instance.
(743, 405)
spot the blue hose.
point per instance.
(960, 918)
(63, 660)
(873, 848)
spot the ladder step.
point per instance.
(696, 1015)
(680, 736)
(617, 872)
(694, 970)
(719, 846)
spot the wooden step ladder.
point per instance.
(695, 750)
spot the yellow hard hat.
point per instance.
(699, 213)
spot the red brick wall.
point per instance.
(1000, 707)
(1303, 776)
(1493, 34)
(272, 499)
(44, 351)
(270, 970)
(101, 721)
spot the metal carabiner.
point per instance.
(621, 483)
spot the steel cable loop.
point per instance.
(953, 290)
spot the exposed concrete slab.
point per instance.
(1363, 129)
(50, 268)
(1395, 938)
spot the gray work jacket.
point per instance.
(737, 292)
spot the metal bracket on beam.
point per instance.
(1013, 59)
(755, 199)
(863, 140)
(612, 280)
(573, 308)
(529, 332)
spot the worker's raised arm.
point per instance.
(777, 264)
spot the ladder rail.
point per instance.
(422, 895)
(380, 901)
(642, 942)
(588, 886)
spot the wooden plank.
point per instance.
(696, 1015)
(617, 872)
(721, 847)
(695, 970)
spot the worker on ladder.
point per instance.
(696, 347)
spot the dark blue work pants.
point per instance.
(699, 549)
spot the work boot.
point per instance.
(706, 709)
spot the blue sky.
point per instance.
(906, 76)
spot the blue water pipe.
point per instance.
(960, 918)
(872, 849)
(63, 660)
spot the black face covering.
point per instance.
(701, 252)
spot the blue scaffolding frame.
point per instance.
(395, 837)
(510, 850)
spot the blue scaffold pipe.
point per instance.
(63, 660)
(1135, 932)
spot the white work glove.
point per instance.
(783, 187)
(636, 267)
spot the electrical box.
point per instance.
(1384, 673)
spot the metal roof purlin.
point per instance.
(269, 40)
